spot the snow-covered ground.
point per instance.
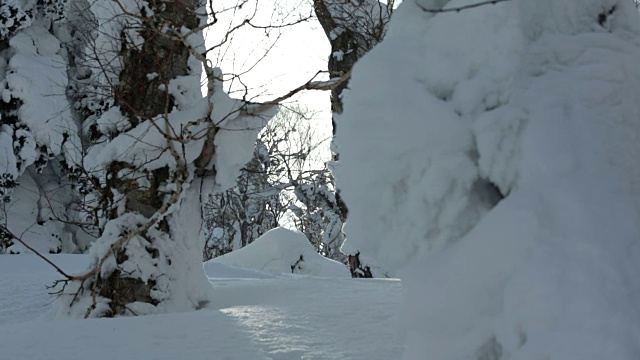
(255, 315)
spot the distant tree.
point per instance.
(285, 182)
(236, 217)
(316, 214)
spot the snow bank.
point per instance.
(494, 151)
(278, 251)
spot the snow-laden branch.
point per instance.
(312, 84)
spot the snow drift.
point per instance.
(495, 151)
(282, 250)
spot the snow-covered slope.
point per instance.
(495, 150)
(282, 250)
(253, 316)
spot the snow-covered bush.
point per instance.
(489, 157)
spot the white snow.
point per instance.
(280, 249)
(24, 296)
(37, 76)
(153, 152)
(540, 99)
(22, 217)
(253, 316)
(237, 133)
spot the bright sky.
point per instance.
(293, 54)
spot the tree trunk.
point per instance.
(148, 258)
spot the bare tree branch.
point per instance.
(460, 8)
(7, 233)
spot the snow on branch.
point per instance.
(312, 84)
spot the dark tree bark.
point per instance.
(140, 99)
(146, 259)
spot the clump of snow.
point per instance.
(236, 135)
(22, 216)
(185, 127)
(490, 156)
(282, 250)
(36, 76)
(111, 121)
(152, 153)
(13, 17)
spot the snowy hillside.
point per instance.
(495, 151)
(254, 316)
(281, 251)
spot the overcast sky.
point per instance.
(298, 51)
(295, 54)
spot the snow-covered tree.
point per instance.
(39, 143)
(154, 146)
(353, 28)
(489, 155)
(316, 214)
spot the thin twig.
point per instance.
(460, 8)
(312, 84)
(13, 236)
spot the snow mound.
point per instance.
(218, 270)
(282, 251)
